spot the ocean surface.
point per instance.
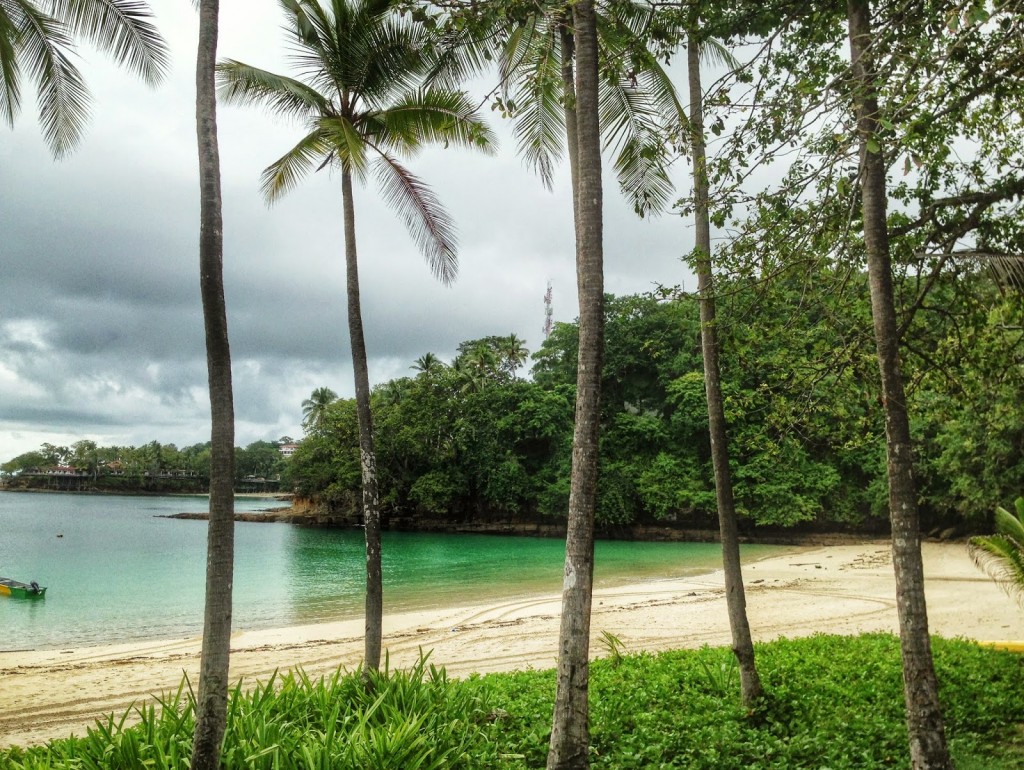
(118, 572)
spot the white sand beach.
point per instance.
(844, 589)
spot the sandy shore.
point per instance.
(842, 589)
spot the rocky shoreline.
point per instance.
(312, 517)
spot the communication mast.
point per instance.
(547, 311)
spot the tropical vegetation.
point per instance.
(804, 415)
(869, 372)
(806, 424)
(1002, 555)
(835, 702)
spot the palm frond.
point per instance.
(63, 97)
(395, 63)
(538, 94)
(283, 174)
(64, 108)
(10, 89)
(240, 83)
(1002, 555)
(1002, 558)
(660, 89)
(1008, 270)
(631, 129)
(632, 19)
(122, 29)
(523, 44)
(640, 168)
(303, 27)
(431, 116)
(426, 219)
(458, 56)
(715, 53)
(1009, 524)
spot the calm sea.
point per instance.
(116, 571)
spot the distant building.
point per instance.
(64, 470)
(287, 450)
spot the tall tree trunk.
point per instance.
(920, 688)
(367, 455)
(570, 734)
(211, 708)
(742, 644)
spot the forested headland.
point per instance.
(472, 444)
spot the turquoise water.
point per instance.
(121, 573)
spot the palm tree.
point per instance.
(513, 353)
(360, 64)
(550, 67)
(428, 363)
(470, 377)
(37, 37)
(211, 706)
(314, 409)
(569, 746)
(1002, 555)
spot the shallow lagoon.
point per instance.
(118, 572)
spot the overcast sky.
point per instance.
(101, 333)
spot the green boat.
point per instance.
(19, 590)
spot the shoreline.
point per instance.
(844, 589)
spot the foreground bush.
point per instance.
(835, 702)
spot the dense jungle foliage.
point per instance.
(471, 441)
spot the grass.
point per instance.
(835, 702)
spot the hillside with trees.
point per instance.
(471, 443)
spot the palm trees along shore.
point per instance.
(361, 97)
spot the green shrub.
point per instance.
(834, 703)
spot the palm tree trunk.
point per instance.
(211, 708)
(742, 644)
(367, 455)
(924, 716)
(570, 734)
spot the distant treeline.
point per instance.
(472, 442)
(154, 467)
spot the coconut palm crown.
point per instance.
(1002, 555)
(360, 97)
(314, 409)
(639, 106)
(37, 39)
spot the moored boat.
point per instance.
(21, 590)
